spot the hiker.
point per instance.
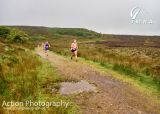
(74, 49)
(46, 47)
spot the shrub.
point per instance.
(17, 36)
(4, 31)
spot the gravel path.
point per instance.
(113, 97)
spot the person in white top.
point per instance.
(74, 49)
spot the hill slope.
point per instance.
(79, 32)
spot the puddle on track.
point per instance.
(68, 88)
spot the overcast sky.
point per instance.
(106, 16)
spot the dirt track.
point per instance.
(113, 97)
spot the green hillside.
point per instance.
(50, 32)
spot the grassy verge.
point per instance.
(25, 76)
(48, 90)
(140, 81)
